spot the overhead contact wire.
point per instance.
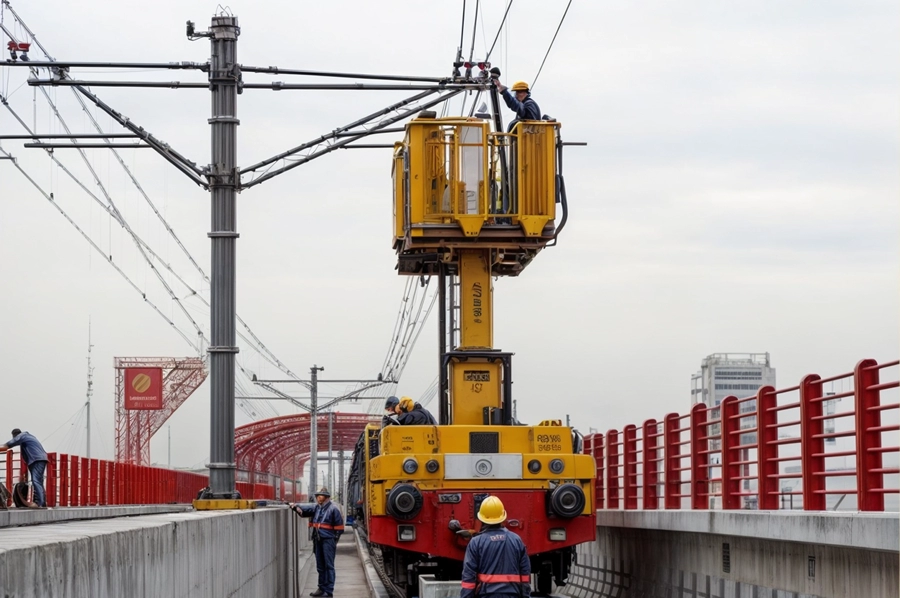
(551, 44)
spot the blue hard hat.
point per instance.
(391, 402)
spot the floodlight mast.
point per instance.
(223, 179)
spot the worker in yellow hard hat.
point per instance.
(521, 103)
(526, 109)
(496, 562)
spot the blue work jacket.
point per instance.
(527, 110)
(326, 518)
(496, 564)
(32, 450)
(419, 416)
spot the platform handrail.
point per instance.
(74, 481)
(746, 451)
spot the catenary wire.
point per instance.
(99, 250)
(260, 347)
(550, 47)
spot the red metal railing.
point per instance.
(72, 481)
(779, 449)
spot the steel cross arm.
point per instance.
(88, 145)
(274, 86)
(201, 66)
(261, 398)
(355, 133)
(339, 144)
(306, 383)
(274, 70)
(77, 82)
(350, 395)
(177, 160)
(283, 395)
(339, 132)
(366, 146)
(382, 381)
(72, 136)
(278, 86)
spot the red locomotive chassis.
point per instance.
(526, 515)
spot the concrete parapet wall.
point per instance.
(209, 554)
(716, 554)
(15, 517)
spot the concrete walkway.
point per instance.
(350, 581)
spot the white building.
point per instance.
(725, 374)
(741, 375)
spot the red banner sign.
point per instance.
(143, 388)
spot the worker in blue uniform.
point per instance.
(327, 525)
(496, 562)
(413, 414)
(35, 458)
(521, 103)
(518, 99)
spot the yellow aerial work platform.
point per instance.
(475, 203)
(458, 185)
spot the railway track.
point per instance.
(396, 591)
(393, 589)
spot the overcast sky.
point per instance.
(738, 193)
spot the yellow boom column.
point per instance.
(476, 300)
(476, 380)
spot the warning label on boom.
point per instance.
(477, 376)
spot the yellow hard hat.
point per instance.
(407, 404)
(520, 86)
(492, 511)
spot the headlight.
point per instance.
(407, 533)
(567, 501)
(534, 466)
(404, 501)
(558, 534)
(410, 466)
(557, 466)
(432, 466)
